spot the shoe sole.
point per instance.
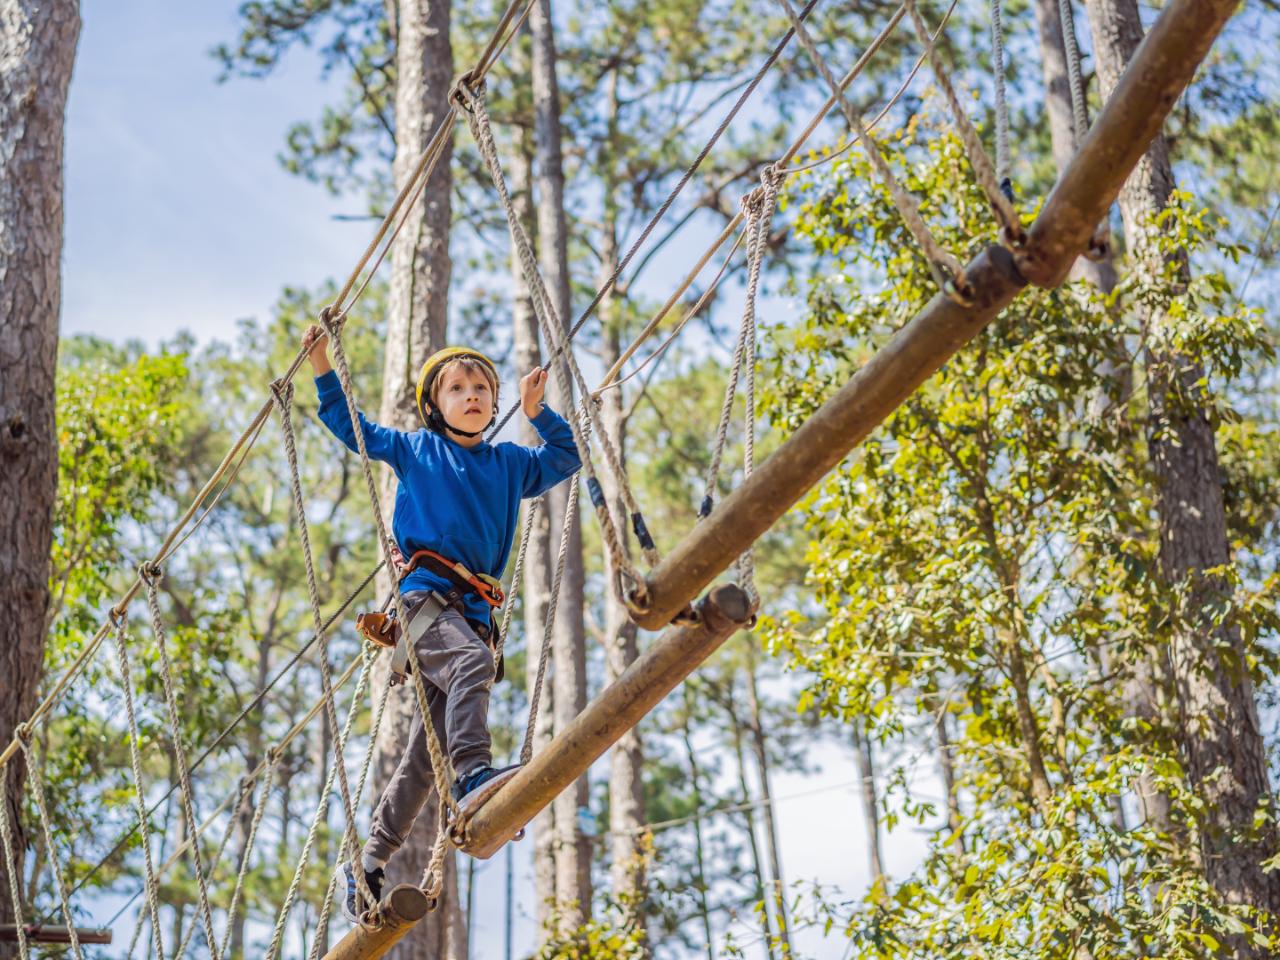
(341, 878)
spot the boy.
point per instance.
(459, 497)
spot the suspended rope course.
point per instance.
(722, 537)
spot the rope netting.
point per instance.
(755, 218)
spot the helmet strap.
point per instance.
(446, 427)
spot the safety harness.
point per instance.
(381, 627)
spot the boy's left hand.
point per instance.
(532, 386)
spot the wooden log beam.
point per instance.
(43, 933)
(1160, 70)
(400, 910)
(622, 705)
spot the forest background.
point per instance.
(220, 240)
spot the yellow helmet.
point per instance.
(432, 419)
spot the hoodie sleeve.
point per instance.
(557, 458)
(383, 443)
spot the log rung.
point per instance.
(43, 933)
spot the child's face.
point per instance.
(465, 399)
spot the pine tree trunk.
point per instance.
(1065, 137)
(573, 846)
(37, 52)
(760, 749)
(417, 315)
(949, 783)
(537, 566)
(1224, 747)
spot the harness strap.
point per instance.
(480, 585)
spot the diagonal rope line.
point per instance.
(1004, 163)
(15, 881)
(671, 198)
(152, 886)
(180, 753)
(947, 271)
(274, 758)
(530, 513)
(978, 159)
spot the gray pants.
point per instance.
(457, 672)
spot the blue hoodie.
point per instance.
(463, 503)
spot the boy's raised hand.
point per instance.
(316, 342)
(532, 386)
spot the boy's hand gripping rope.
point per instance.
(948, 273)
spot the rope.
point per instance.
(1079, 105)
(440, 764)
(535, 695)
(284, 401)
(671, 198)
(1003, 162)
(322, 808)
(37, 793)
(478, 118)
(1013, 232)
(15, 881)
(947, 271)
(516, 575)
(274, 758)
(180, 753)
(152, 886)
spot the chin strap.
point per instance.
(445, 427)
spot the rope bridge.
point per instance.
(969, 297)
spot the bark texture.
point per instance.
(572, 845)
(867, 774)
(417, 317)
(37, 52)
(1224, 748)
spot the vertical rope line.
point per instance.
(284, 402)
(516, 575)
(15, 882)
(1004, 163)
(322, 924)
(977, 153)
(1079, 106)
(152, 885)
(37, 792)
(553, 330)
(535, 695)
(946, 269)
(245, 790)
(149, 577)
(441, 767)
(274, 758)
(322, 807)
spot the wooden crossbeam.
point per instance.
(43, 933)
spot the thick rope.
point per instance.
(149, 577)
(152, 885)
(440, 765)
(322, 924)
(554, 332)
(284, 402)
(983, 171)
(530, 513)
(535, 695)
(274, 758)
(37, 793)
(1079, 105)
(322, 808)
(15, 882)
(1004, 163)
(947, 271)
(770, 182)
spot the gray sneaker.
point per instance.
(350, 896)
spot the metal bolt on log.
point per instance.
(401, 909)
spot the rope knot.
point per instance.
(331, 327)
(463, 95)
(149, 573)
(24, 733)
(117, 618)
(282, 392)
(770, 177)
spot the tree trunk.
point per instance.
(417, 316)
(756, 861)
(1065, 137)
(626, 761)
(760, 749)
(867, 774)
(949, 783)
(573, 846)
(537, 564)
(1225, 751)
(700, 880)
(37, 52)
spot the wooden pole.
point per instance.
(43, 933)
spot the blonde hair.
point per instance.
(470, 365)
